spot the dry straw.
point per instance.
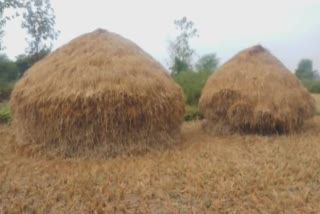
(255, 93)
(100, 95)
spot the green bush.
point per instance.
(5, 90)
(192, 113)
(192, 84)
(313, 86)
(8, 69)
(4, 113)
(9, 73)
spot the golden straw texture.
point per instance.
(255, 93)
(99, 95)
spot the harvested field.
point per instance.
(204, 174)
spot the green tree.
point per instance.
(305, 70)
(38, 20)
(8, 70)
(192, 84)
(207, 63)
(8, 74)
(179, 66)
(24, 62)
(179, 49)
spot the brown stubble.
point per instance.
(203, 174)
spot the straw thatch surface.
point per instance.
(99, 95)
(254, 92)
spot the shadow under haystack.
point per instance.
(100, 95)
(255, 93)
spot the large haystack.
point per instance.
(255, 93)
(98, 95)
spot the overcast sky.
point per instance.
(289, 29)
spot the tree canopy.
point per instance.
(38, 19)
(207, 63)
(179, 49)
(305, 70)
(8, 70)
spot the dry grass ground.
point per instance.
(203, 174)
(234, 174)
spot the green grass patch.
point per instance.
(313, 86)
(5, 116)
(192, 113)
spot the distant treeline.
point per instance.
(191, 80)
(313, 86)
(11, 71)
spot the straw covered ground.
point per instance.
(203, 174)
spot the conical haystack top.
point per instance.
(255, 92)
(89, 62)
(99, 90)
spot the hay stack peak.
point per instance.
(98, 95)
(254, 92)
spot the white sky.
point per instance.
(289, 29)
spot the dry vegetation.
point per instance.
(254, 92)
(100, 93)
(204, 174)
(317, 98)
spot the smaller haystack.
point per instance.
(255, 93)
(100, 95)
